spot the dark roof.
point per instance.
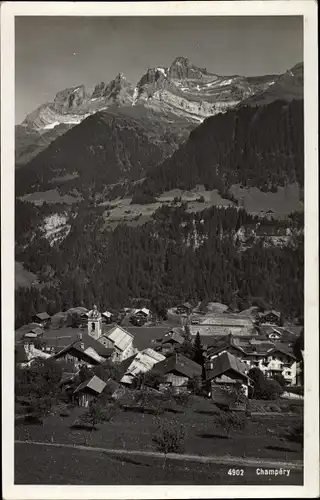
(42, 316)
(224, 363)
(178, 363)
(100, 349)
(284, 349)
(95, 384)
(220, 344)
(172, 337)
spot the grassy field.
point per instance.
(262, 438)
(47, 465)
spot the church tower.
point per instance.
(94, 323)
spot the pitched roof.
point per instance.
(178, 363)
(95, 384)
(42, 315)
(140, 362)
(100, 349)
(37, 331)
(89, 354)
(284, 349)
(225, 362)
(144, 310)
(172, 337)
(107, 314)
(120, 337)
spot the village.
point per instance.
(231, 345)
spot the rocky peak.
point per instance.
(182, 68)
(70, 99)
(113, 89)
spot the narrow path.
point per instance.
(223, 460)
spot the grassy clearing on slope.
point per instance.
(24, 278)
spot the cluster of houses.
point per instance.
(229, 353)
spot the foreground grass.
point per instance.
(36, 464)
(262, 438)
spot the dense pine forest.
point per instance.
(175, 256)
(251, 146)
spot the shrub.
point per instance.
(230, 420)
(97, 414)
(169, 438)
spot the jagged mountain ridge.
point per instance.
(181, 92)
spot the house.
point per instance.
(88, 391)
(281, 361)
(120, 340)
(33, 333)
(141, 362)
(84, 352)
(185, 308)
(178, 370)
(172, 339)
(227, 370)
(42, 318)
(107, 317)
(272, 317)
(144, 312)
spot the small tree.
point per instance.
(264, 388)
(169, 438)
(96, 414)
(230, 420)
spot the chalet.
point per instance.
(89, 390)
(178, 370)
(33, 333)
(270, 317)
(227, 370)
(281, 361)
(120, 340)
(173, 338)
(107, 317)
(185, 308)
(42, 318)
(266, 231)
(140, 362)
(142, 313)
(85, 351)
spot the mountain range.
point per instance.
(171, 101)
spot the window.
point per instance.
(93, 326)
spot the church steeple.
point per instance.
(94, 323)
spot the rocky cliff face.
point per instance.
(181, 94)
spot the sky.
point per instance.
(53, 53)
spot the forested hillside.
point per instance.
(176, 256)
(252, 146)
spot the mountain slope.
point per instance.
(253, 146)
(286, 87)
(103, 149)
